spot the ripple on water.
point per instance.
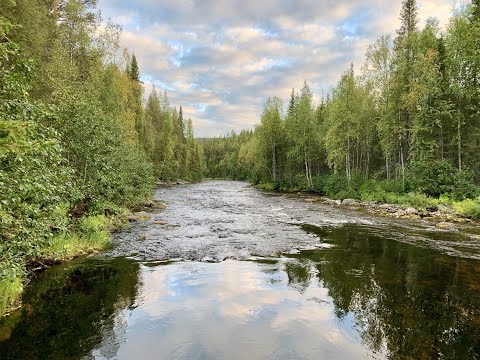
(213, 218)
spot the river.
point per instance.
(230, 272)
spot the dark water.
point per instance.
(367, 288)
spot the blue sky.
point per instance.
(222, 59)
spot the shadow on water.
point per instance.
(68, 309)
(366, 296)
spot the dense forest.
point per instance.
(78, 142)
(406, 128)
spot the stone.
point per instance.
(444, 209)
(349, 202)
(411, 211)
(160, 222)
(139, 216)
(445, 225)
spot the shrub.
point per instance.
(469, 208)
(333, 185)
(441, 177)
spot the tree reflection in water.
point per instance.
(410, 301)
(69, 310)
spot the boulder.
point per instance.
(349, 202)
(139, 216)
(332, 202)
(411, 211)
(444, 209)
(160, 222)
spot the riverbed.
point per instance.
(230, 272)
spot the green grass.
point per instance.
(90, 235)
(10, 291)
(469, 208)
(416, 200)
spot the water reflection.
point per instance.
(234, 310)
(365, 297)
(418, 303)
(69, 310)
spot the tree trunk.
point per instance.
(274, 165)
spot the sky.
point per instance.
(222, 59)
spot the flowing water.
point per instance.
(230, 272)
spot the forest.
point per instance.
(78, 142)
(404, 129)
(81, 143)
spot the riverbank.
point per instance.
(407, 206)
(88, 235)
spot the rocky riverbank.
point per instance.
(442, 215)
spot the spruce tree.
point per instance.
(133, 72)
(408, 18)
(181, 124)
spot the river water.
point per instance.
(229, 272)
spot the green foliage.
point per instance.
(331, 185)
(439, 177)
(88, 234)
(469, 208)
(404, 130)
(10, 290)
(33, 177)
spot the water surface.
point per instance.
(361, 287)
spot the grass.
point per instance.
(88, 235)
(10, 291)
(415, 200)
(91, 235)
(469, 208)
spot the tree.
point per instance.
(133, 72)
(271, 133)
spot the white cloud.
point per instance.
(222, 59)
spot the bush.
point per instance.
(469, 208)
(331, 185)
(440, 177)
